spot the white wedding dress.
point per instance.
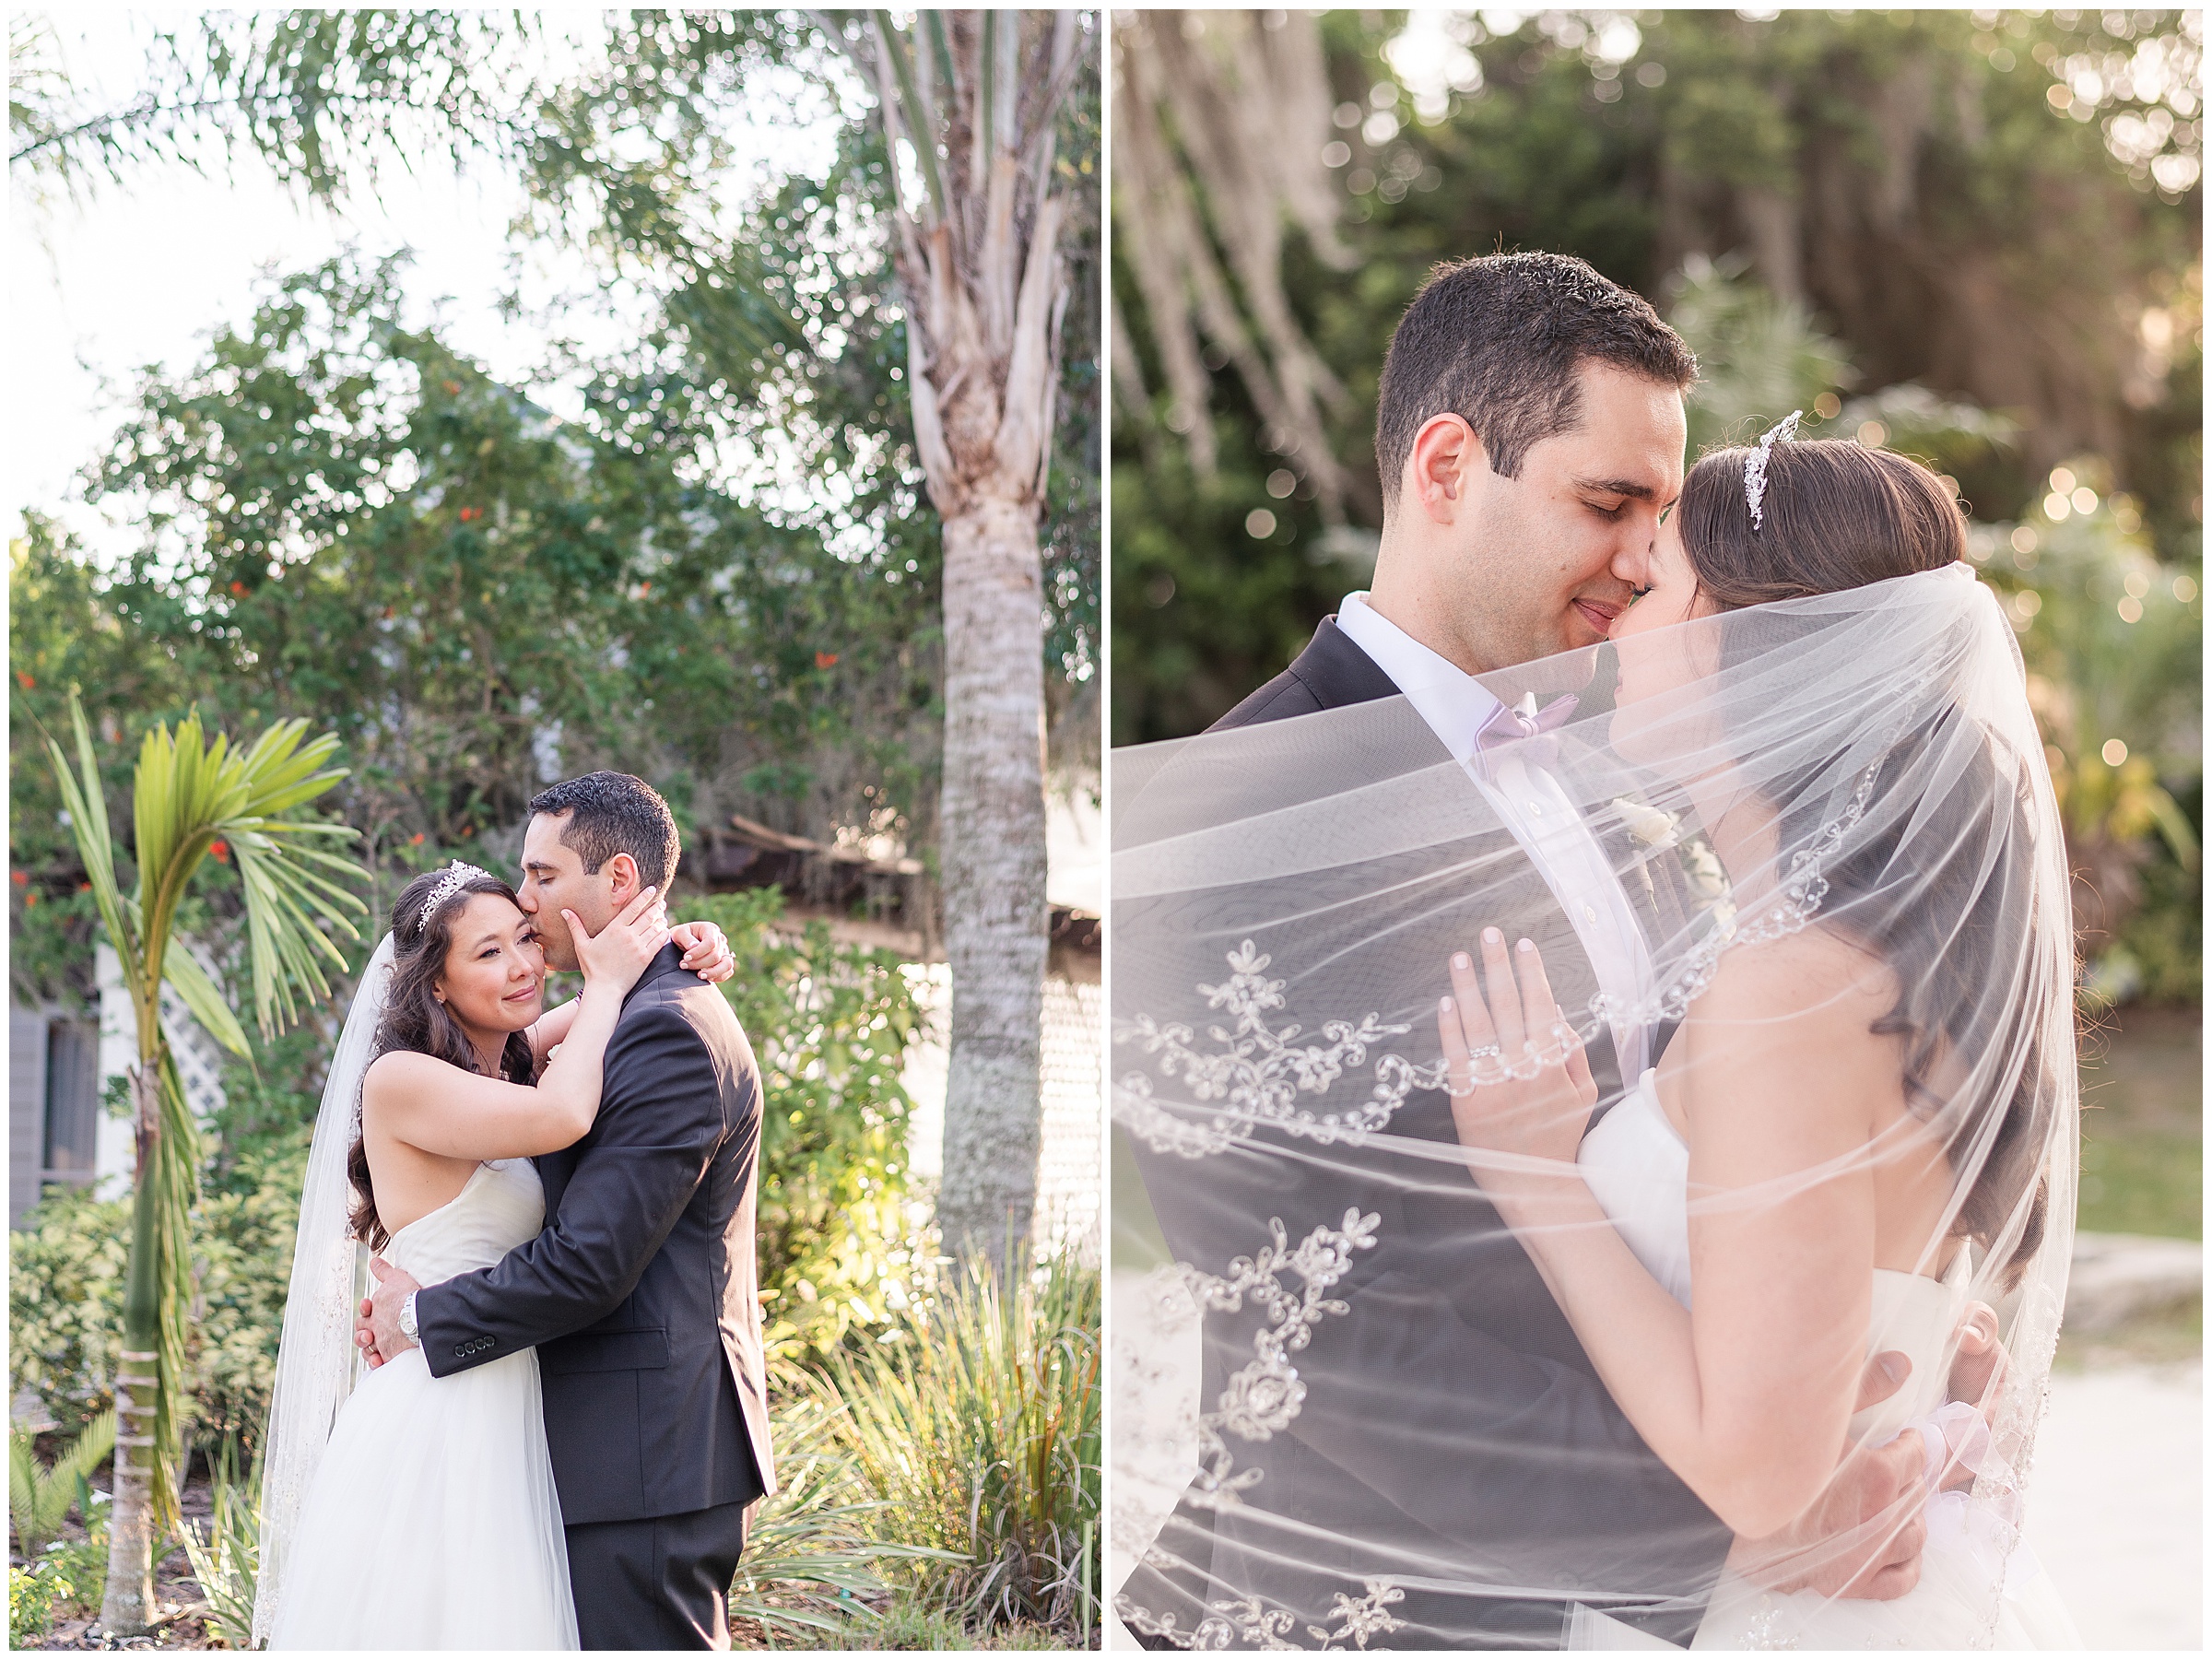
(432, 1522)
(1638, 1167)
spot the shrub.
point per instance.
(31, 1593)
(810, 1564)
(979, 1434)
(65, 1293)
(66, 1285)
(829, 1026)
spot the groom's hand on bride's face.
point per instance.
(377, 1328)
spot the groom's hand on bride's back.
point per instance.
(1863, 1535)
(376, 1324)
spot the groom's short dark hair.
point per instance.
(612, 813)
(1498, 342)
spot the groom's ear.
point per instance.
(1442, 467)
(623, 881)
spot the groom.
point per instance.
(639, 1295)
(1530, 432)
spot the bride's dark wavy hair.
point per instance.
(415, 1020)
(1838, 516)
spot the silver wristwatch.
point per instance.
(406, 1319)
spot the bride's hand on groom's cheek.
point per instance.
(1498, 1021)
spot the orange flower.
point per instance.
(221, 850)
(238, 587)
(20, 878)
(416, 840)
(24, 680)
(825, 660)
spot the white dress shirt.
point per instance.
(1530, 805)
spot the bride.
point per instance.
(413, 1513)
(1756, 1068)
(1854, 1105)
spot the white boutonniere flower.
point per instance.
(1703, 866)
(1657, 830)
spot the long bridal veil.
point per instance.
(1346, 1411)
(317, 1364)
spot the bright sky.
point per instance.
(144, 272)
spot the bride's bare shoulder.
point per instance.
(1817, 974)
(402, 1075)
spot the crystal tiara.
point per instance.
(457, 877)
(1755, 466)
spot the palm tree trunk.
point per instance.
(992, 833)
(127, 1606)
(984, 293)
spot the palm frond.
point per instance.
(86, 804)
(183, 973)
(40, 1495)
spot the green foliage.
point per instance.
(909, 1624)
(82, 1564)
(65, 1283)
(65, 1286)
(226, 1555)
(242, 1256)
(31, 1593)
(810, 1562)
(980, 1433)
(1757, 358)
(40, 1495)
(66, 1574)
(61, 635)
(829, 1026)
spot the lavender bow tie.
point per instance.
(1526, 725)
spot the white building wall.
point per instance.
(199, 1062)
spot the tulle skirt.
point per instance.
(432, 1522)
(1979, 1588)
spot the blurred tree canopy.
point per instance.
(1926, 186)
(722, 574)
(1972, 237)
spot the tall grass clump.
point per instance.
(811, 1567)
(978, 1433)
